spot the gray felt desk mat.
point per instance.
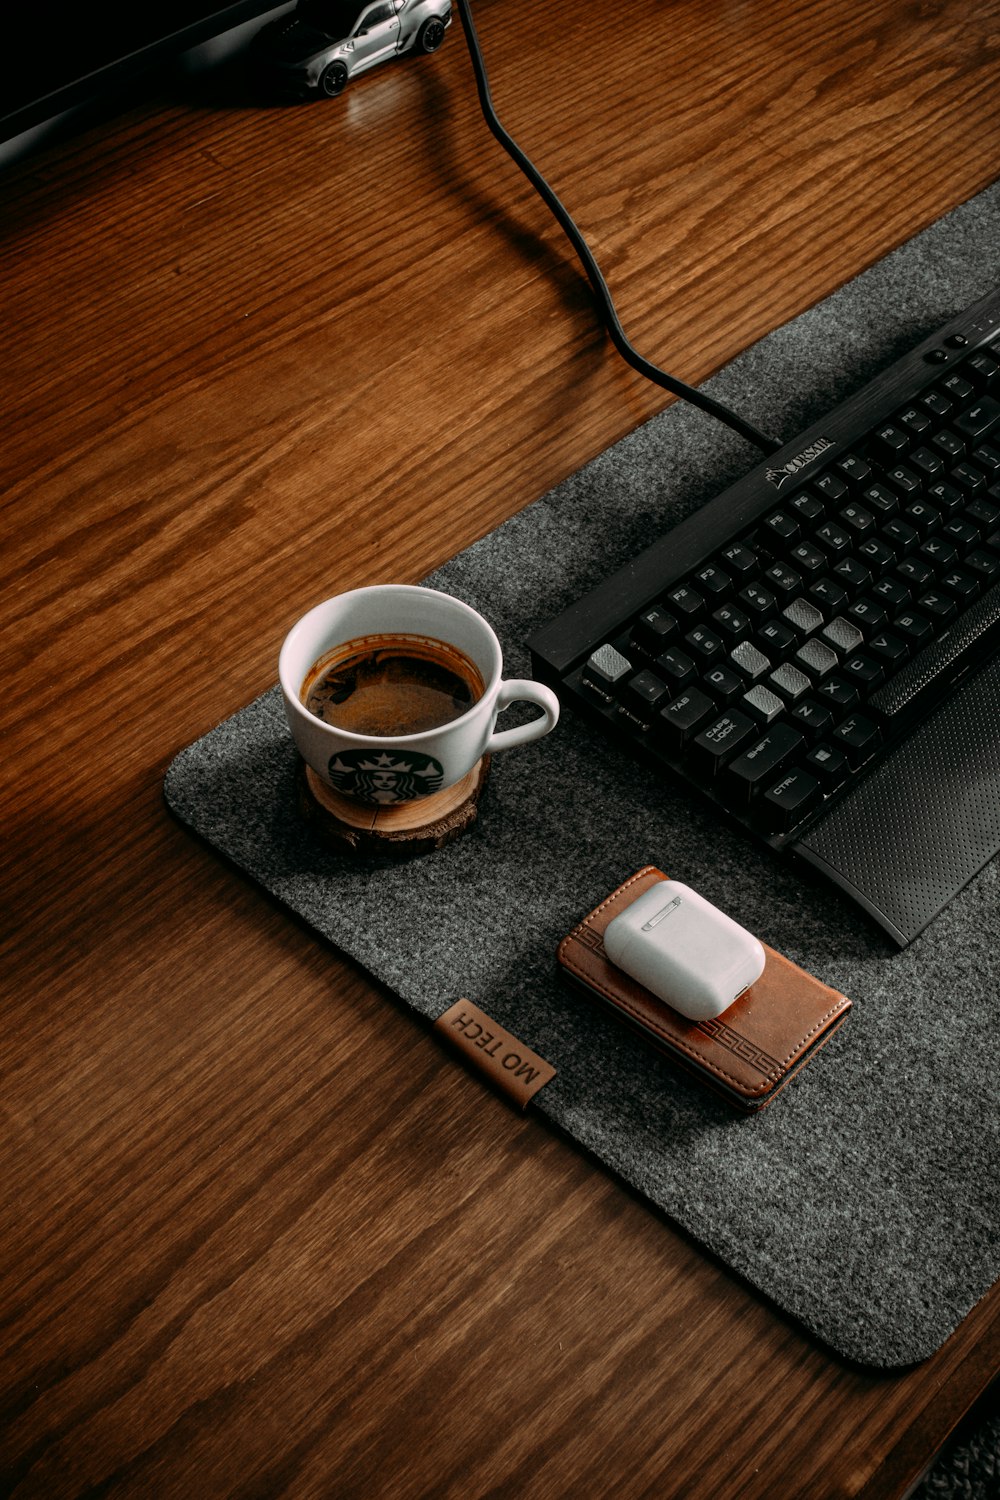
(864, 1201)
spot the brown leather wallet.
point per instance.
(749, 1052)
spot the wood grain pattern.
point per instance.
(259, 1235)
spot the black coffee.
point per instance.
(392, 685)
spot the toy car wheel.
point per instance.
(332, 80)
(430, 35)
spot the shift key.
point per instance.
(753, 769)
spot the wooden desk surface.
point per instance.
(260, 1236)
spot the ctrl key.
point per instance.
(606, 672)
(786, 803)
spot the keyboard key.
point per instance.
(789, 681)
(852, 574)
(713, 583)
(880, 500)
(783, 580)
(753, 769)
(817, 658)
(916, 571)
(606, 670)
(722, 684)
(968, 478)
(838, 692)
(805, 617)
(682, 717)
(775, 638)
(867, 615)
(814, 719)
(787, 802)
(876, 556)
(864, 671)
(923, 516)
(978, 418)
(842, 634)
(961, 585)
(654, 630)
(704, 644)
(915, 628)
(740, 560)
(833, 539)
(938, 606)
(900, 536)
(858, 737)
(891, 592)
(891, 650)
(854, 469)
(809, 559)
(782, 527)
(676, 668)
(685, 602)
(644, 693)
(828, 764)
(761, 704)
(828, 595)
(731, 622)
(757, 600)
(751, 662)
(720, 740)
(857, 519)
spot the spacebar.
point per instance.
(962, 644)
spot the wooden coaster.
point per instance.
(401, 831)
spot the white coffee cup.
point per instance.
(388, 769)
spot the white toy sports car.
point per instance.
(321, 44)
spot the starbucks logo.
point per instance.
(384, 776)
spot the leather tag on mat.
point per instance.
(514, 1068)
(751, 1050)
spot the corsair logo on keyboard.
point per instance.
(799, 462)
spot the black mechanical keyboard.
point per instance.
(814, 649)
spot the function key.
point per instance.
(807, 506)
(854, 469)
(740, 560)
(713, 582)
(654, 630)
(831, 486)
(782, 526)
(685, 602)
(915, 421)
(890, 441)
(938, 404)
(956, 386)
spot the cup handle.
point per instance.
(523, 690)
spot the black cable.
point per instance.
(606, 305)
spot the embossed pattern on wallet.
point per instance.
(750, 1051)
